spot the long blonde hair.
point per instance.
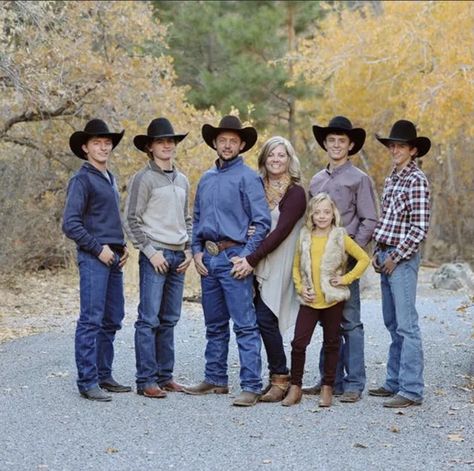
(294, 168)
(313, 202)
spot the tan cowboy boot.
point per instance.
(293, 397)
(325, 398)
(279, 386)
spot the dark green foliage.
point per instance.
(232, 53)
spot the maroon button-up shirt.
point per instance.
(352, 192)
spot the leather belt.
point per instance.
(385, 246)
(118, 249)
(215, 248)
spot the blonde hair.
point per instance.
(294, 168)
(313, 202)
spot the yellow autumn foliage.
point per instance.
(413, 61)
(62, 64)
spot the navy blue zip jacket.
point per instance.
(92, 214)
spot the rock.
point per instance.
(453, 276)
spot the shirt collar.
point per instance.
(157, 168)
(404, 172)
(228, 163)
(89, 166)
(339, 169)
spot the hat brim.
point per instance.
(422, 144)
(356, 136)
(248, 135)
(79, 138)
(142, 140)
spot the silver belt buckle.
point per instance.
(212, 247)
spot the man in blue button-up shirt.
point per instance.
(230, 197)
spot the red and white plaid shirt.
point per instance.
(405, 212)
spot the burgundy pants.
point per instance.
(306, 321)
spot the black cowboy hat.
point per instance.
(405, 131)
(158, 128)
(340, 124)
(95, 127)
(233, 124)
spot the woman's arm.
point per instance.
(292, 208)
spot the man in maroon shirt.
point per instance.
(351, 189)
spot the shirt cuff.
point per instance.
(97, 249)
(149, 251)
(395, 256)
(197, 249)
(252, 260)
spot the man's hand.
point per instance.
(159, 263)
(107, 256)
(388, 266)
(185, 264)
(124, 257)
(375, 264)
(200, 267)
(241, 268)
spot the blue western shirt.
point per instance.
(229, 199)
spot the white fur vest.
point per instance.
(333, 263)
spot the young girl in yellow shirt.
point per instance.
(318, 273)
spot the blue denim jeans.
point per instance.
(225, 298)
(350, 374)
(102, 312)
(405, 355)
(271, 336)
(159, 310)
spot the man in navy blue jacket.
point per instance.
(230, 197)
(92, 221)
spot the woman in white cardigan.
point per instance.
(276, 303)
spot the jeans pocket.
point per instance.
(116, 262)
(232, 252)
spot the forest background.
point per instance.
(281, 65)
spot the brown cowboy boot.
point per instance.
(325, 398)
(312, 390)
(293, 397)
(279, 386)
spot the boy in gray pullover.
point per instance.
(158, 224)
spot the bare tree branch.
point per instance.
(69, 108)
(30, 143)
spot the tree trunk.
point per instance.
(365, 163)
(291, 49)
(455, 210)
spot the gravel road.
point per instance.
(46, 425)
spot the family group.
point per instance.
(270, 255)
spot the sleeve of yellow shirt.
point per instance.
(363, 260)
(296, 272)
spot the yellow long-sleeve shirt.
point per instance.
(318, 244)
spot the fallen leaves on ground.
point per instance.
(359, 445)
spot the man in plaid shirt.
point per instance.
(402, 227)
